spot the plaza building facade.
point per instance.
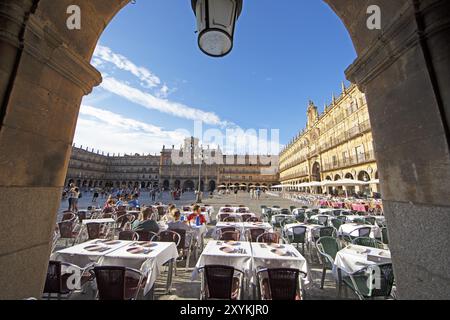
(336, 144)
(190, 166)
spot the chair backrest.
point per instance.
(368, 242)
(182, 243)
(254, 219)
(94, 230)
(242, 210)
(145, 235)
(328, 245)
(381, 276)
(298, 234)
(342, 218)
(82, 215)
(269, 237)
(67, 216)
(128, 235)
(110, 282)
(245, 217)
(327, 232)
(223, 216)
(336, 212)
(125, 219)
(337, 223)
(230, 236)
(278, 207)
(301, 216)
(108, 215)
(384, 236)
(316, 211)
(283, 283)
(219, 281)
(53, 282)
(169, 236)
(370, 220)
(254, 233)
(323, 220)
(285, 211)
(364, 232)
(292, 208)
(230, 219)
(66, 229)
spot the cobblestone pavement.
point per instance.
(185, 288)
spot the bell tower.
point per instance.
(313, 114)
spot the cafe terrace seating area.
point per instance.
(258, 252)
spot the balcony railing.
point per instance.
(349, 161)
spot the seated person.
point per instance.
(168, 216)
(135, 202)
(146, 222)
(177, 224)
(197, 213)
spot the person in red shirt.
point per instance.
(197, 213)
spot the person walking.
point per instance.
(71, 196)
(236, 193)
(77, 195)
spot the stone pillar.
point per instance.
(41, 87)
(406, 79)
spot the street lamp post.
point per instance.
(199, 193)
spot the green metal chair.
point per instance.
(327, 247)
(298, 237)
(337, 223)
(370, 220)
(368, 242)
(292, 208)
(384, 236)
(371, 282)
(285, 222)
(301, 217)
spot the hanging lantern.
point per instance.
(216, 20)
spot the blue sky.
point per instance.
(156, 80)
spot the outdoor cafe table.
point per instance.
(216, 253)
(351, 229)
(149, 263)
(354, 258)
(106, 220)
(277, 256)
(234, 210)
(81, 257)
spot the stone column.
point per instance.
(41, 85)
(406, 79)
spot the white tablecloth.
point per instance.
(77, 255)
(107, 220)
(149, 264)
(212, 255)
(354, 258)
(351, 229)
(264, 257)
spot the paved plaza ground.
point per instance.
(183, 286)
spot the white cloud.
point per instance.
(104, 54)
(150, 101)
(113, 133)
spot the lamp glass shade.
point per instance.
(216, 20)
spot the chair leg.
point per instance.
(324, 273)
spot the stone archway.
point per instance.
(402, 68)
(188, 185)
